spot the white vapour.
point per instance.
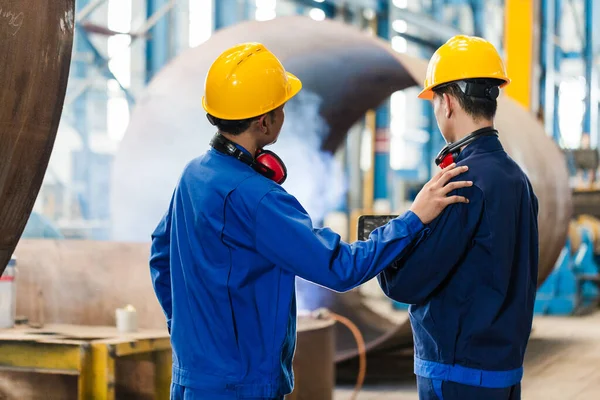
(159, 143)
(315, 177)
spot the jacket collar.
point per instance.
(484, 144)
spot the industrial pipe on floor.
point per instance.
(345, 73)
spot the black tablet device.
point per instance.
(368, 223)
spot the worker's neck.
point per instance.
(244, 139)
(469, 126)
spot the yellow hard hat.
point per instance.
(247, 81)
(463, 57)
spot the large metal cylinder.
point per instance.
(36, 38)
(345, 73)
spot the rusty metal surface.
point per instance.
(351, 72)
(83, 282)
(314, 367)
(35, 51)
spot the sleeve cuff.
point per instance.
(413, 223)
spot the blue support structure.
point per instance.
(557, 293)
(80, 120)
(557, 66)
(89, 168)
(101, 62)
(382, 121)
(551, 55)
(570, 288)
(226, 12)
(479, 21)
(590, 122)
(328, 6)
(158, 47)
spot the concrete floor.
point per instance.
(562, 362)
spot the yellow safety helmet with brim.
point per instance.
(463, 57)
(246, 81)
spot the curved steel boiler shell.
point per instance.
(351, 72)
(35, 45)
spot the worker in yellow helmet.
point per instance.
(471, 283)
(226, 254)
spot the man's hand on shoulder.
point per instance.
(433, 198)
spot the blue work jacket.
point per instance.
(223, 263)
(471, 283)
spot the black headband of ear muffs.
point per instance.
(482, 90)
(489, 90)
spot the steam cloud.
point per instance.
(315, 178)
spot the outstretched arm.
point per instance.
(285, 235)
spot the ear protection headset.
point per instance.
(265, 162)
(451, 151)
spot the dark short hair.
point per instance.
(235, 127)
(476, 107)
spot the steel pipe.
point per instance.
(36, 39)
(345, 73)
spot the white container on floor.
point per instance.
(8, 295)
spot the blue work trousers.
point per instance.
(433, 389)
(179, 392)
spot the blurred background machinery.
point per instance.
(120, 46)
(356, 141)
(373, 161)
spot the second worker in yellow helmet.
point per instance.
(226, 254)
(472, 281)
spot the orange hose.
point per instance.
(362, 354)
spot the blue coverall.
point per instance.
(471, 283)
(223, 263)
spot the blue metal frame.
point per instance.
(101, 62)
(552, 56)
(328, 6)
(376, 5)
(225, 13)
(590, 124)
(557, 59)
(479, 17)
(382, 119)
(158, 47)
(80, 121)
(158, 53)
(549, 60)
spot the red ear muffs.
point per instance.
(265, 162)
(273, 163)
(446, 161)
